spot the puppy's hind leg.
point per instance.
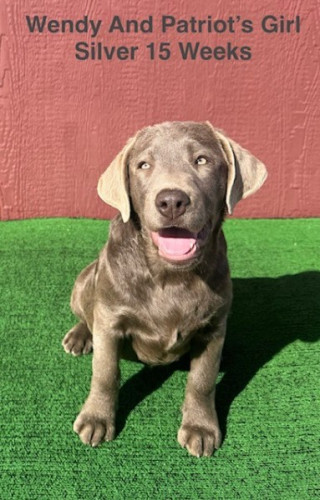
(78, 340)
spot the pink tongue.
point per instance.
(174, 241)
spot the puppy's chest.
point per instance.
(162, 327)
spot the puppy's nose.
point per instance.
(172, 203)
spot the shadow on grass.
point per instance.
(267, 315)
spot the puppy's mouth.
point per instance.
(178, 244)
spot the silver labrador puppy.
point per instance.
(161, 285)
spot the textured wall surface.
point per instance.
(63, 120)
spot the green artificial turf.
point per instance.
(267, 397)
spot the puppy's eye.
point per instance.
(201, 160)
(144, 165)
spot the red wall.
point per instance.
(63, 120)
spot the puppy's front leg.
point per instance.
(96, 421)
(199, 431)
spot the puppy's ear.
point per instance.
(113, 185)
(246, 174)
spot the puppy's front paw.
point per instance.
(93, 429)
(199, 440)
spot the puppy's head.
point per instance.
(178, 177)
